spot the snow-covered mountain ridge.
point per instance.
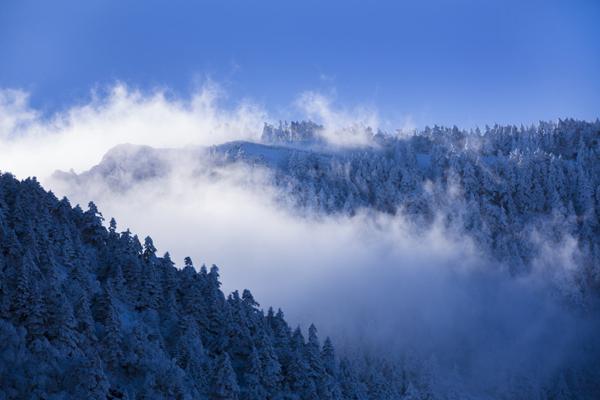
(506, 187)
(88, 312)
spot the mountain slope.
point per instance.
(512, 190)
(87, 312)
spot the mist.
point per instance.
(371, 281)
(34, 144)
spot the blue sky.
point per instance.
(459, 62)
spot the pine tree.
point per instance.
(224, 384)
(299, 377)
(330, 385)
(22, 292)
(34, 320)
(271, 368)
(149, 254)
(316, 370)
(350, 385)
(252, 388)
(61, 323)
(190, 354)
(111, 339)
(92, 228)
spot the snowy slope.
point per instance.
(503, 187)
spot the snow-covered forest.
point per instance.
(513, 190)
(300, 200)
(499, 185)
(89, 311)
(92, 313)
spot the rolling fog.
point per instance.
(373, 282)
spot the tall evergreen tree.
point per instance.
(224, 384)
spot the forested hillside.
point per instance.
(513, 190)
(88, 312)
(91, 312)
(500, 186)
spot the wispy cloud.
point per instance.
(78, 137)
(343, 126)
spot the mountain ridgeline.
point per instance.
(509, 188)
(514, 191)
(87, 312)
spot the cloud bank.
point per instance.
(78, 137)
(368, 279)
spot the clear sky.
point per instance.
(461, 62)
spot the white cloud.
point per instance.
(344, 127)
(79, 137)
(14, 112)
